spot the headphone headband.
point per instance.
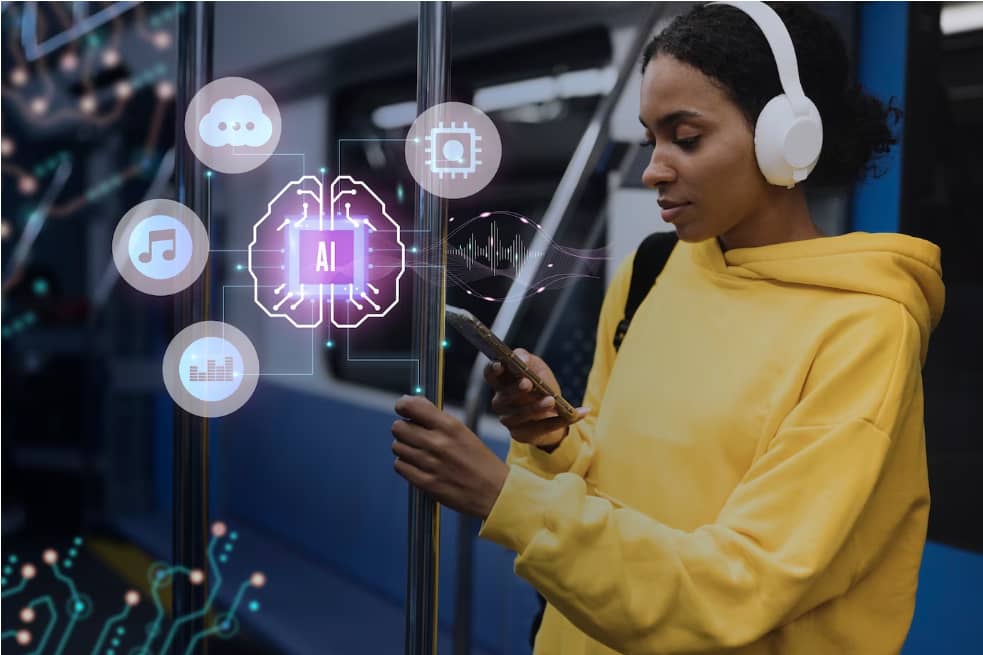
(780, 42)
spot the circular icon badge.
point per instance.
(232, 125)
(160, 247)
(453, 150)
(210, 369)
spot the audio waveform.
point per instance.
(494, 251)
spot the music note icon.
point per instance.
(156, 236)
(160, 247)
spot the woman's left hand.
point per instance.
(440, 455)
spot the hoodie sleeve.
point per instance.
(575, 452)
(640, 586)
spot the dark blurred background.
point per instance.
(302, 474)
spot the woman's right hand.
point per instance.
(530, 416)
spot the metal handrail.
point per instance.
(196, 29)
(567, 195)
(423, 551)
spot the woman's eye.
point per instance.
(688, 143)
(647, 143)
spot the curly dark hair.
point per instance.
(726, 45)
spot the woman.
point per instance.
(750, 476)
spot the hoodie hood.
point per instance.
(902, 268)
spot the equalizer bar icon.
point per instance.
(214, 373)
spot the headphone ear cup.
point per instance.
(787, 146)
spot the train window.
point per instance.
(541, 96)
(939, 202)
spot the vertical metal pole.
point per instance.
(190, 507)
(433, 75)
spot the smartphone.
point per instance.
(478, 334)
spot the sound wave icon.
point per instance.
(494, 251)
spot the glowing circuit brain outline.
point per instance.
(285, 285)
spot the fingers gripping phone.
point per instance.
(495, 349)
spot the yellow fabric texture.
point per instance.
(752, 477)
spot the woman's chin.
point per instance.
(690, 233)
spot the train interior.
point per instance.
(300, 478)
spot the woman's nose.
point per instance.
(656, 173)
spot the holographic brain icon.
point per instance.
(344, 257)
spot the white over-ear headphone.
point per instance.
(788, 135)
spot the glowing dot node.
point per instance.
(123, 89)
(28, 571)
(7, 147)
(39, 106)
(18, 77)
(23, 637)
(50, 556)
(69, 62)
(197, 577)
(164, 90)
(219, 529)
(27, 615)
(87, 104)
(132, 598)
(110, 58)
(257, 580)
(162, 40)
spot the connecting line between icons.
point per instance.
(382, 360)
(407, 266)
(265, 286)
(303, 157)
(340, 141)
(263, 375)
(208, 209)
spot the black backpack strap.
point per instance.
(650, 259)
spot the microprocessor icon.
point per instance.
(453, 150)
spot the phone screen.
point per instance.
(482, 338)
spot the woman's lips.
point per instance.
(669, 214)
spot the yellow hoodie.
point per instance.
(752, 476)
